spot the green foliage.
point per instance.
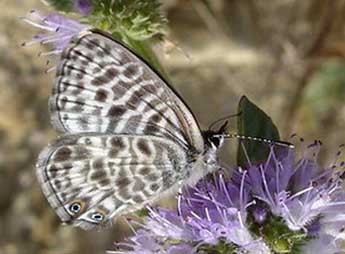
(279, 237)
(61, 5)
(136, 19)
(253, 122)
(136, 23)
(327, 88)
(143, 212)
(221, 247)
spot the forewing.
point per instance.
(90, 179)
(101, 86)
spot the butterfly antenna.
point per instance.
(256, 139)
(222, 119)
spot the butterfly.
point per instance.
(129, 139)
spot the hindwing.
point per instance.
(90, 175)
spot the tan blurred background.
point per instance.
(285, 55)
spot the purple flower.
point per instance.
(141, 243)
(280, 205)
(146, 242)
(255, 247)
(260, 213)
(216, 210)
(181, 249)
(209, 198)
(298, 192)
(167, 224)
(322, 244)
(84, 7)
(59, 29)
(211, 212)
(331, 235)
(267, 182)
(231, 229)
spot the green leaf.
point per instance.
(222, 247)
(253, 122)
(281, 239)
(143, 212)
(61, 5)
(326, 88)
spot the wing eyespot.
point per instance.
(76, 207)
(88, 141)
(97, 216)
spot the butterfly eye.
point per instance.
(75, 207)
(214, 141)
(97, 216)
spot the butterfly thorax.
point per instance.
(207, 161)
(213, 141)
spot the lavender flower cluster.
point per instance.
(282, 205)
(59, 30)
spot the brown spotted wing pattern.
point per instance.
(129, 138)
(101, 86)
(88, 179)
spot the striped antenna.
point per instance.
(256, 139)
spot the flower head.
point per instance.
(216, 210)
(59, 29)
(298, 192)
(168, 224)
(283, 205)
(145, 243)
(211, 215)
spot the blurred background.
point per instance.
(287, 56)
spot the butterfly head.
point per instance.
(215, 139)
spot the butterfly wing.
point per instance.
(90, 178)
(102, 86)
(129, 137)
